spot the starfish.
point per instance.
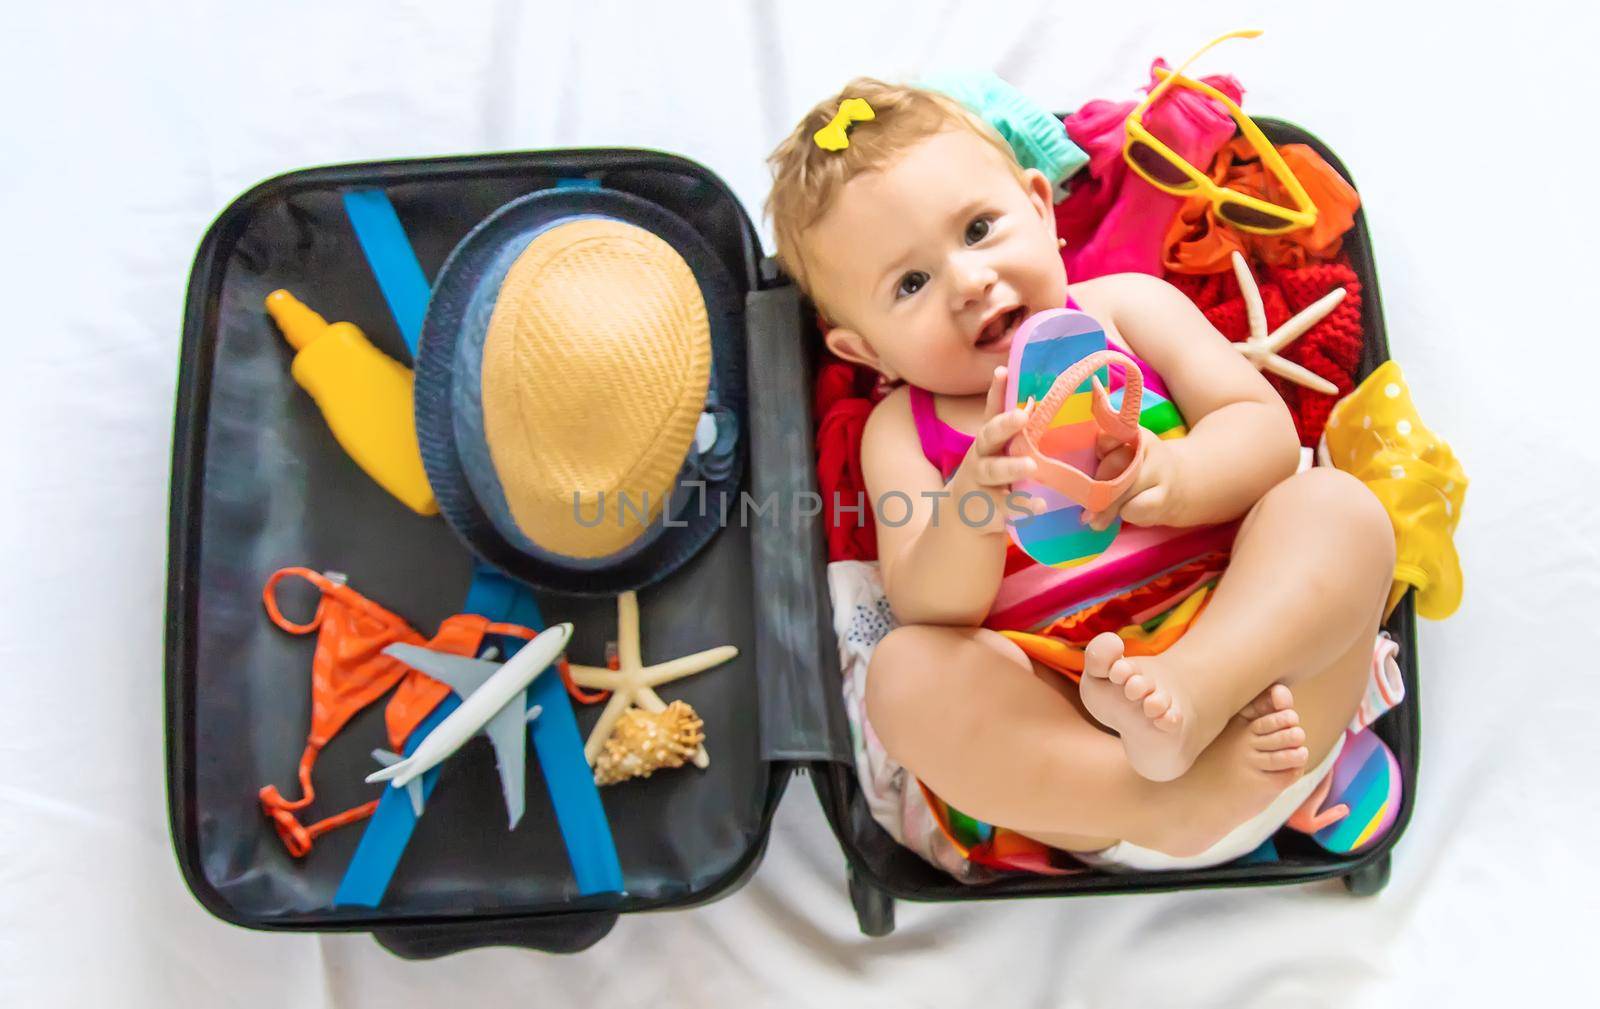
(633, 683)
(1261, 349)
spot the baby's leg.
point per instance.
(1266, 736)
(1302, 597)
(1000, 739)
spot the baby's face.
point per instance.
(928, 266)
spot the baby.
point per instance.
(924, 245)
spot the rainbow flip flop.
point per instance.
(1060, 359)
(1358, 801)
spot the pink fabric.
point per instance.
(944, 446)
(1114, 221)
(1035, 595)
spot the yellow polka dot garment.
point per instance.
(1376, 435)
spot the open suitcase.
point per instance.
(258, 484)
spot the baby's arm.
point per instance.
(1241, 439)
(937, 567)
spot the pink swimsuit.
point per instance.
(1034, 596)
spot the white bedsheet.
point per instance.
(126, 130)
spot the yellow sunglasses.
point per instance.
(1158, 165)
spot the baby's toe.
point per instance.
(1101, 653)
(1157, 703)
(1256, 708)
(1281, 760)
(1120, 672)
(1170, 720)
(1283, 739)
(1274, 698)
(1277, 721)
(1136, 687)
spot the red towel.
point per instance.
(1332, 348)
(845, 395)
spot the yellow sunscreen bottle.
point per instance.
(364, 395)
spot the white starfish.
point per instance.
(1261, 349)
(633, 682)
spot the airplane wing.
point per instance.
(459, 673)
(507, 730)
(508, 734)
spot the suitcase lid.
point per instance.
(256, 476)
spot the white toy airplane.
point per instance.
(494, 701)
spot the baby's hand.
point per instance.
(1155, 496)
(987, 468)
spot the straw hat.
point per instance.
(581, 364)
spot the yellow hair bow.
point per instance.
(832, 137)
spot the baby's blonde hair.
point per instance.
(806, 179)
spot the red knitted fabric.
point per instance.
(1332, 348)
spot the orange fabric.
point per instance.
(349, 671)
(999, 848)
(1065, 655)
(1200, 242)
(1132, 615)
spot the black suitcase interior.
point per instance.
(258, 484)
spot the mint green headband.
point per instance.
(1037, 138)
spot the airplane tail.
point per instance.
(393, 766)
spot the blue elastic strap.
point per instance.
(389, 830)
(393, 261)
(554, 733)
(556, 740)
(573, 795)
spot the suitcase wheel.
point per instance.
(1370, 878)
(874, 908)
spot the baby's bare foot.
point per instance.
(1256, 756)
(1276, 742)
(1130, 697)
